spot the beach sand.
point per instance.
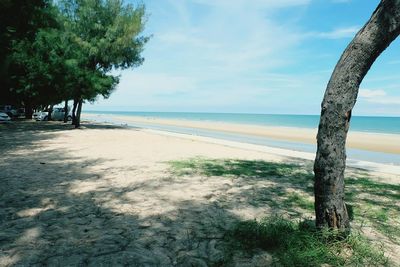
(378, 142)
(105, 195)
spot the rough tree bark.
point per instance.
(66, 111)
(78, 114)
(340, 97)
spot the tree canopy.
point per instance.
(66, 51)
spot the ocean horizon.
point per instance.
(372, 124)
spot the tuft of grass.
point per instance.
(300, 244)
(295, 199)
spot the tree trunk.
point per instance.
(66, 111)
(50, 112)
(28, 111)
(78, 114)
(339, 100)
(74, 111)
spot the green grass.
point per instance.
(375, 204)
(239, 168)
(283, 176)
(295, 199)
(290, 191)
(299, 244)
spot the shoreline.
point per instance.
(373, 167)
(375, 142)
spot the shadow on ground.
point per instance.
(290, 190)
(28, 134)
(285, 187)
(57, 209)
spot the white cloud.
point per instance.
(267, 4)
(340, 1)
(139, 87)
(339, 33)
(227, 42)
(366, 93)
(379, 97)
(386, 100)
(180, 38)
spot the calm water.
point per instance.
(276, 120)
(358, 123)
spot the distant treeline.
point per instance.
(53, 52)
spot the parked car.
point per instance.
(56, 115)
(4, 117)
(9, 110)
(40, 116)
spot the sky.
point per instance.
(251, 56)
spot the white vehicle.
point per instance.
(40, 116)
(4, 117)
(56, 115)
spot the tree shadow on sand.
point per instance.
(285, 187)
(288, 189)
(28, 134)
(57, 209)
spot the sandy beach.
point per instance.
(106, 195)
(377, 142)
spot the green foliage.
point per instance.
(300, 244)
(20, 21)
(106, 32)
(67, 49)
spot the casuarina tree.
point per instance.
(107, 36)
(340, 97)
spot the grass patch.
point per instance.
(375, 204)
(238, 168)
(284, 177)
(370, 202)
(299, 244)
(295, 199)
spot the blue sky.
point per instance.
(251, 56)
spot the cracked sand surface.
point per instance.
(105, 196)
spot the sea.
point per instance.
(369, 124)
(372, 124)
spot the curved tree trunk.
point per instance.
(340, 97)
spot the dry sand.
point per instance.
(106, 196)
(389, 143)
